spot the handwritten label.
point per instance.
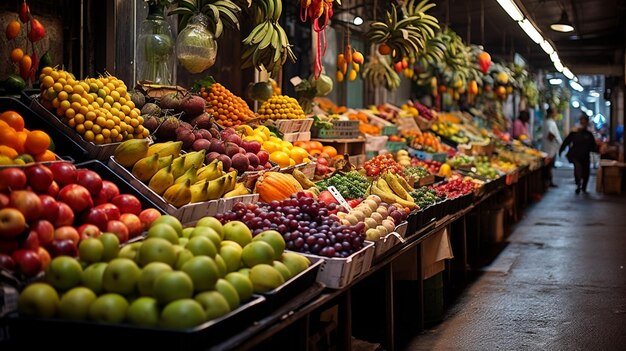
(337, 195)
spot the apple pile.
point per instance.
(177, 278)
(46, 211)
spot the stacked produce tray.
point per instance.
(337, 273)
(291, 288)
(340, 130)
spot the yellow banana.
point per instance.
(162, 180)
(394, 184)
(240, 189)
(178, 194)
(302, 179)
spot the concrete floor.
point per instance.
(559, 284)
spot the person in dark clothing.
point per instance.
(580, 143)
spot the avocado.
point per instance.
(14, 84)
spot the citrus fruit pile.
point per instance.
(284, 153)
(281, 107)
(99, 109)
(19, 145)
(227, 108)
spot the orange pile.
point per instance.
(227, 108)
(427, 139)
(315, 148)
(19, 145)
(364, 126)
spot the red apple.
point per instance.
(28, 203)
(53, 189)
(7, 262)
(67, 233)
(127, 203)
(32, 241)
(39, 177)
(110, 189)
(45, 231)
(112, 211)
(100, 199)
(27, 262)
(7, 246)
(44, 255)
(96, 216)
(64, 173)
(12, 223)
(263, 156)
(4, 201)
(64, 247)
(148, 216)
(90, 180)
(76, 196)
(118, 228)
(50, 207)
(65, 216)
(88, 231)
(133, 223)
(13, 179)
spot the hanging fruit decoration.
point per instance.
(316, 9)
(349, 62)
(484, 61)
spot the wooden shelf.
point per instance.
(338, 141)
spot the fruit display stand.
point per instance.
(354, 147)
(339, 130)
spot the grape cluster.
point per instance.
(424, 111)
(417, 172)
(425, 196)
(307, 225)
(351, 185)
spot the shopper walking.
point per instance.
(520, 127)
(581, 144)
(550, 143)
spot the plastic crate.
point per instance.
(291, 125)
(340, 130)
(428, 156)
(390, 130)
(292, 287)
(387, 244)
(395, 146)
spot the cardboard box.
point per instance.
(435, 250)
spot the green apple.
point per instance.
(265, 278)
(130, 251)
(149, 273)
(209, 233)
(284, 270)
(230, 242)
(171, 221)
(38, 300)
(121, 276)
(238, 232)
(182, 314)
(144, 311)
(245, 271)
(171, 286)
(214, 304)
(232, 256)
(275, 239)
(92, 276)
(156, 250)
(295, 262)
(90, 250)
(64, 272)
(211, 222)
(187, 232)
(75, 303)
(183, 241)
(221, 265)
(242, 284)
(229, 292)
(108, 308)
(182, 257)
(163, 231)
(111, 246)
(200, 245)
(257, 252)
(203, 272)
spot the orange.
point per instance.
(315, 145)
(16, 55)
(384, 49)
(26, 63)
(22, 139)
(331, 151)
(36, 142)
(280, 158)
(298, 154)
(13, 119)
(13, 29)
(4, 124)
(300, 143)
(8, 152)
(9, 137)
(45, 156)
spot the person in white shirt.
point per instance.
(551, 142)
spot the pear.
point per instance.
(178, 166)
(164, 149)
(178, 194)
(162, 180)
(146, 168)
(131, 151)
(212, 171)
(191, 174)
(165, 161)
(195, 158)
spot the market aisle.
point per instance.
(560, 284)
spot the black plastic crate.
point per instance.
(63, 144)
(291, 288)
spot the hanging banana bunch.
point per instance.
(267, 46)
(378, 72)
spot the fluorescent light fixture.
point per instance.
(594, 94)
(547, 47)
(575, 85)
(559, 66)
(589, 113)
(530, 30)
(575, 104)
(357, 21)
(511, 9)
(556, 81)
(591, 99)
(568, 73)
(554, 57)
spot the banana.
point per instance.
(207, 190)
(388, 196)
(145, 168)
(178, 194)
(162, 180)
(278, 10)
(164, 149)
(165, 161)
(211, 171)
(240, 189)
(191, 174)
(178, 166)
(396, 187)
(302, 179)
(229, 184)
(194, 159)
(405, 184)
(131, 151)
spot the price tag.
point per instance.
(295, 81)
(337, 195)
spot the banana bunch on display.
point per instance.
(267, 46)
(393, 189)
(408, 36)
(378, 71)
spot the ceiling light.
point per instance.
(589, 113)
(547, 47)
(594, 94)
(563, 24)
(556, 81)
(575, 104)
(568, 73)
(512, 9)
(554, 57)
(574, 84)
(559, 66)
(607, 103)
(357, 21)
(530, 30)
